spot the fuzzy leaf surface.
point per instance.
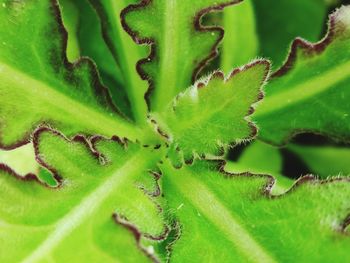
(76, 221)
(180, 44)
(214, 112)
(235, 218)
(38, 84)
(310, 92)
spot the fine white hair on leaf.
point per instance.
(343, 15)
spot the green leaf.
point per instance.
(94, 199)
(107, 178)
(180, 45)
(324, 161)
(266, 29)
(124, 52)
(38, 84)
(240, 43)
(309, 93)
(70, 16)
(215, 111)
(86, 33)
(279, 22)
(236, 219)
(261, 158)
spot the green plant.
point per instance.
(133, 169)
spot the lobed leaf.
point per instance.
(309, 93)
(97, 179)
(180, 45)
(236, 219)
(214, 112)
(38, 84)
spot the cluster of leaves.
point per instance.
(130, 160)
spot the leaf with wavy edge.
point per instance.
(324, 161)
(215, 111)
(125, 53)
(310, 92)
(279, 22)
(234, 218)
(180, 45)
(85, 34)
(261, 158)
(22, 162)
(21, 159)
(97, 178)
(250, 29)
(38, 84)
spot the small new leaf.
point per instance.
(214, 113)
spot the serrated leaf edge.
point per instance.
(202, 83)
